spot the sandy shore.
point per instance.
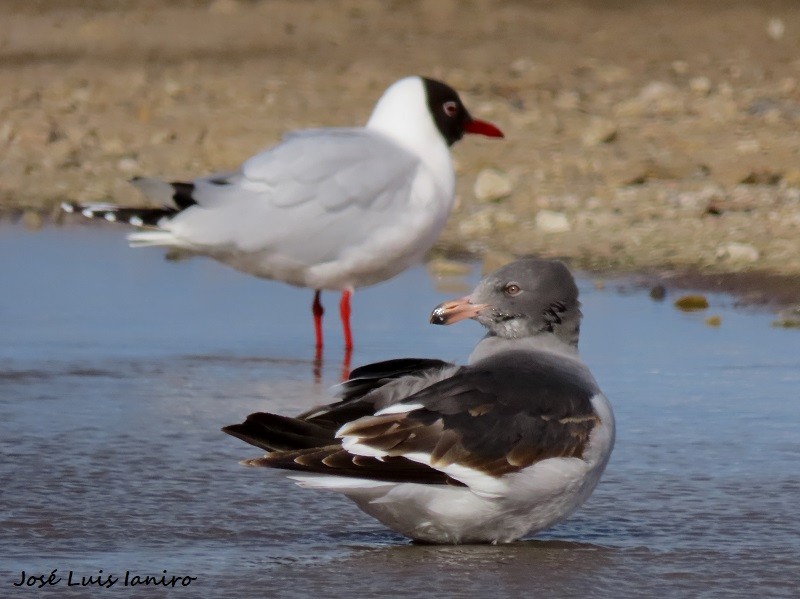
(649, 137)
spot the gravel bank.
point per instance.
(643, 137)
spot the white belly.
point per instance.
(527, 501)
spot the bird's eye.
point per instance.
(450, 108)
(512, 289)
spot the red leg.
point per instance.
(317, 311)
(344, 312)
(348, 354)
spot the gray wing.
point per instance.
(334, 168)
(303, 198)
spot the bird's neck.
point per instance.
(546, 342)
(410, 126)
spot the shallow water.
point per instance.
(117, 370)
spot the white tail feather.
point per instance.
(151, 238)
(341, 484)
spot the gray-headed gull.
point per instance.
(505, 446)
(332, 208)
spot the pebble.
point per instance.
(492, 185)
(128, 165)
(788, 318)
(700, 85)
(679, 67)
(656, 97)
(599, 131)
(713, 321)
(742, 253)
(657, 90)
(658, 292)
(548, 221)
(748, 146)
(521, 66)
(691, 303)
(776, 28)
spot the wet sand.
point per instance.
(642, 137)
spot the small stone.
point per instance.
(599, 131)
(128, 165)
(691, 303)
(700, 85)
(657, 90)
(492, 185)
(776, 28)
(657, 97)
(680, 67)
(762, 177)
(521, 65)
(748, 146)
(788, 318)
(171, 88)
(6, 132)
(713, 321)
(549, 221)
(658, 292)
(786, 324)
(733, 251)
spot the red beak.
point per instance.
(483, 128)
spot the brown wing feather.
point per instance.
(498, 417)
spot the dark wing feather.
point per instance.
(334, 460)
(366, 390)
(272, 432)
(371, 376)
(498, 415)
(307, 443)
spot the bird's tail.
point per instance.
(138, 217)
(172, 197)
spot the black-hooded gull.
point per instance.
(331, 208)
(505, 446)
